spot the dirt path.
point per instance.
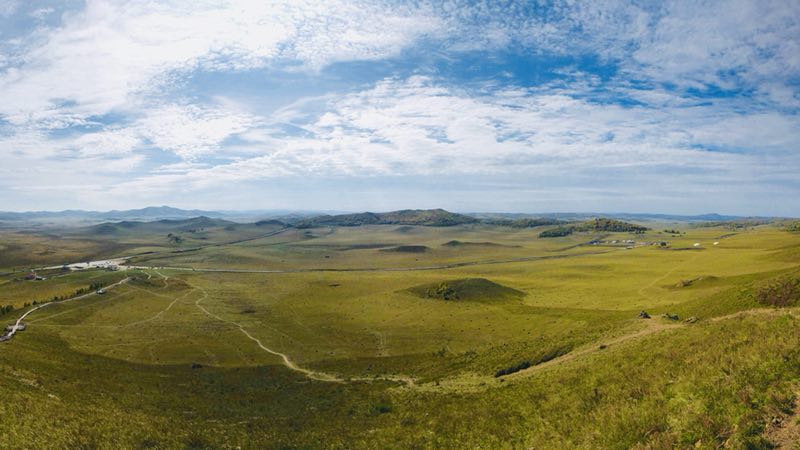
(642, 290)
(784, 432)
(652, 326)
(312, 374)
(320, 376)
(16, 327)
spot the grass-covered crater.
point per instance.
(466, 289)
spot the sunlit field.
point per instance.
(387, 336)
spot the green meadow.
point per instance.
(387, 336)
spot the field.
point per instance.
(386, 336)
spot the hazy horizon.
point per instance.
(675, 108)
(343, 211)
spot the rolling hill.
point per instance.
(424, 217)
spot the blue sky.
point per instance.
(674, 107)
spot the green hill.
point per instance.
(466, 289)
(524, 223)
(599, 224)
(159, 226)
(425, 217)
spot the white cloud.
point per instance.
(191, 131)
(417, 127)
(108, 56)
(41, 13)
(128, 59)
(728, 44)
(8, 7)
(105, 143)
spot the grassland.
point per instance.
(178, 357)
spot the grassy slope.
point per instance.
(85, 367)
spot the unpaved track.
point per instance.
(16, 326)
(321, 376)
(652, 326)
(312, 374)
(376, 269)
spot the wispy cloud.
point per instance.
(417, 127)
(665, 100)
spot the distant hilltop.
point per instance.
(425, 217)
(307, 219)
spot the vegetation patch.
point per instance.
(364, 246)
(556, 232)
(270, 222)
(524, 223)
(734, 224)
(782, 292)
(599, 224)
(407, 249)
(426, 217)
(456, 243)
(469, 289)
(540, 359)
(694, 281)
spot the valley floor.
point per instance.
(332, 338)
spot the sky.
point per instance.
(546, 106)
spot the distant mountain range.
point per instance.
(151, 213)
(711, 217)
(430, 217)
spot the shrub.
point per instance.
(443, 291)
(556, 232)
(382, 407)
(509, 370)
(543, 358)
(780, 293)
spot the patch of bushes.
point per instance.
(793, 227)
(780, 293)
(523, 223)
(513, 369)
(543, 358)
(407, 249)
(382, 407)
(466, 289)
(733, 225)
(599, 224)
(443, 291)
(556, 232)
(174, 238)
(604, 224)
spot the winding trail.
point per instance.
(291, 365)
(376, 269)
(320, 376)
(16, 327)
(652, 326)
(679, 265)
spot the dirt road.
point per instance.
(17, 326)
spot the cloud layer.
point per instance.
(624, 105)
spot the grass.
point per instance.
(116, 370)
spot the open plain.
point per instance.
(376, 336)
